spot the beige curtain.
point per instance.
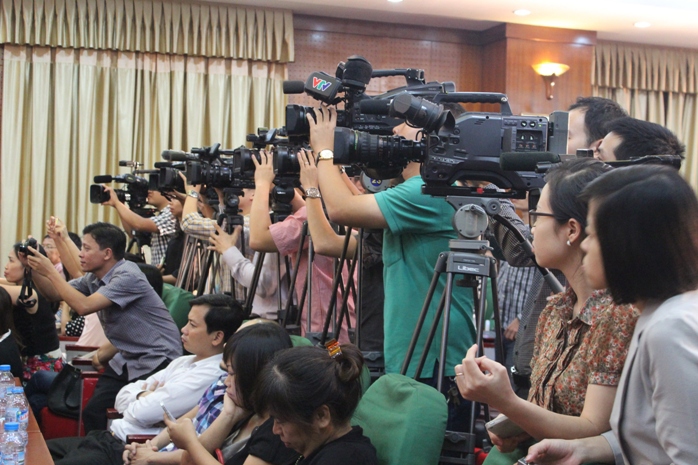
(69, 114)
(161, 26)
(654, 84)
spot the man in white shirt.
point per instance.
(212, 319)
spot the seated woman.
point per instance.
(582, 337)
(34, 319)
(642, 245)
(311, 395)
(242, 431)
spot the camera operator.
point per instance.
(284, 238)
(161, 226)
(629, 137)
(417, 229)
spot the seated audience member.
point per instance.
(242, 431)
(631, 138)
(311, 394)
(9, 347)
(582, 337)
(642, 246)
(212, 319)
(134, 318)
(284, 237)
(34, 317)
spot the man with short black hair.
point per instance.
(588, 118)
(134, 318)
(633, 138)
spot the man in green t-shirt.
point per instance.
(416, 228)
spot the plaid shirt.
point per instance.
(166, 224)
(513, 285)
(210, 406)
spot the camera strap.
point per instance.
(26, 299)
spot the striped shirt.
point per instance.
(137, 323)
(513, 284)
(166, 224)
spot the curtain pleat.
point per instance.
(69, 115)
(161, 26)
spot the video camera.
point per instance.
(361, 112)
(468, 147)
(135, 195)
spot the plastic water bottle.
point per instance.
(17, 409)
(13, 447)
(6, 380)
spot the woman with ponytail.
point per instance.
(312, 393)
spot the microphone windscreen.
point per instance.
(375, 106)
(294, 87)
(175, 155)
(525, 161)
(163, 164)
(103, 179)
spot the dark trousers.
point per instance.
(94, 415)
(97, 448)
(37, 390)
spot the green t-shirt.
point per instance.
(419, 229)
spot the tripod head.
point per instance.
(281, 197)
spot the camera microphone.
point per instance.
(294, 87)
(177, 155)
(526, 161)
(375, 106)
(103, 179)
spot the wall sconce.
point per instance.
(549, 72)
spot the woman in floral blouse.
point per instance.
(582, 337)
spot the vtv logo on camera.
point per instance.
(321, 84)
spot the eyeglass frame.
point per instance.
(533, 214)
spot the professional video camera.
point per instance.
(468, 147)
(167, 178)
(361, 112)
(135, 195)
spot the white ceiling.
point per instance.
(674, 22)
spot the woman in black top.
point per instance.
(9, 349)
(34, 319)
(311, 394)
(241, 431)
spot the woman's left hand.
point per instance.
(309, 176)
(182, 432)
(483, 380)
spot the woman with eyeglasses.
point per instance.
(582, 337)
(643, 246)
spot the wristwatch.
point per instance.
(194, 194)
(313, 193)
(325, 154)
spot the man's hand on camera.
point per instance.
(188, 187)
(264, 170)
(113, 199)
(309, 177)
(222, 241)
(322, 131)
(40, 263)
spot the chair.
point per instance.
(405, 420)
(57, 426)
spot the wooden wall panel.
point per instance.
(445, 55)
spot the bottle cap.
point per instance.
(4, 367)
(12, 426)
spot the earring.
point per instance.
(568, 243)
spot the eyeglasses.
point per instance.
(48, 246)
(533, 216)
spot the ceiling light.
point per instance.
(522, 12)
(395, 1)
(642, 24)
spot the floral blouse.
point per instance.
(572, 352)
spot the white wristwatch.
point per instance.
(325, 154)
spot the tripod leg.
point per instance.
(438, 269)
(444, 333)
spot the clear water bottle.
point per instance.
(11, 409)
(6, 380)
(13, 447)
(17, 409)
